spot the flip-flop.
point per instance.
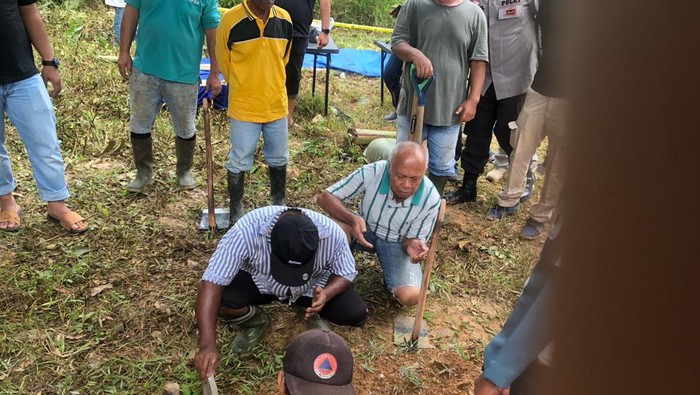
(68, 220)
(11, 216)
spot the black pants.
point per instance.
(293, 68)
(491, 116)
(347, 308)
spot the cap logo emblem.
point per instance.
(296, 263)
(325, 366)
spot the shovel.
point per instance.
(413, 332)
(212, 218)
(418, 109)
(210, 387)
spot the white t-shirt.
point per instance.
(115, 3)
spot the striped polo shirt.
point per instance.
(246, 246)
(414, 217)
(252, 56)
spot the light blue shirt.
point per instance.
(171, 37)
(246, 246)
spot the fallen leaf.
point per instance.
(97, 290)
(462, 244)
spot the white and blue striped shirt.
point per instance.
(246, 246)
(414, 217)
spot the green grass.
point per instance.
(56, 337)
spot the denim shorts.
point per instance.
(147, 93)
(398, 269)
(441, 144)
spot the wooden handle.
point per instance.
(210, 165)
(426, 273)
(415, 128)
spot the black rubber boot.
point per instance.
(184, 151)
(439, 182)
(466, 192)
(236, 183)
(143, 159)
(278, 184)
(252, 326)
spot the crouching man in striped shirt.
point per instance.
(292, 255)
(396, 215)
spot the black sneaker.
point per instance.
(498, 212)
(463, 194)
(391, 117)
(532, 229)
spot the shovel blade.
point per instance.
(221, 215)
(403, 326)
(210, 387)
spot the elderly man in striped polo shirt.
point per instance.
(396, 216)
(293, 255)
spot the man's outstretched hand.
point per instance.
(207, 360)
(125, 64)
(484, 386)
(213, 84)
(51, 75)
(416, 249)
(317, 302)
(358, 232)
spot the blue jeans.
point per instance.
(147, 93)
(29, 108)
(398, 269)
(118, 12)
(244, 140)
(392, 77)
(441, 144)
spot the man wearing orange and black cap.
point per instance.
(316, 362)
(296, 256)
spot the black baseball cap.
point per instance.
(294, 240)
(318, 362)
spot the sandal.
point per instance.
(13, 217)
(68, 220)
(252, 327)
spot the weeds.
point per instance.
(410, 374)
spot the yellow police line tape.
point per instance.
(347, 25)
(362, 27)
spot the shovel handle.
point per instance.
(421, 86)
(210, 165)
(426, 273)
(416, 128)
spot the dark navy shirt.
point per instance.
(16, 58)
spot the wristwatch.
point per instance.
(326, 31)
(53, 62)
